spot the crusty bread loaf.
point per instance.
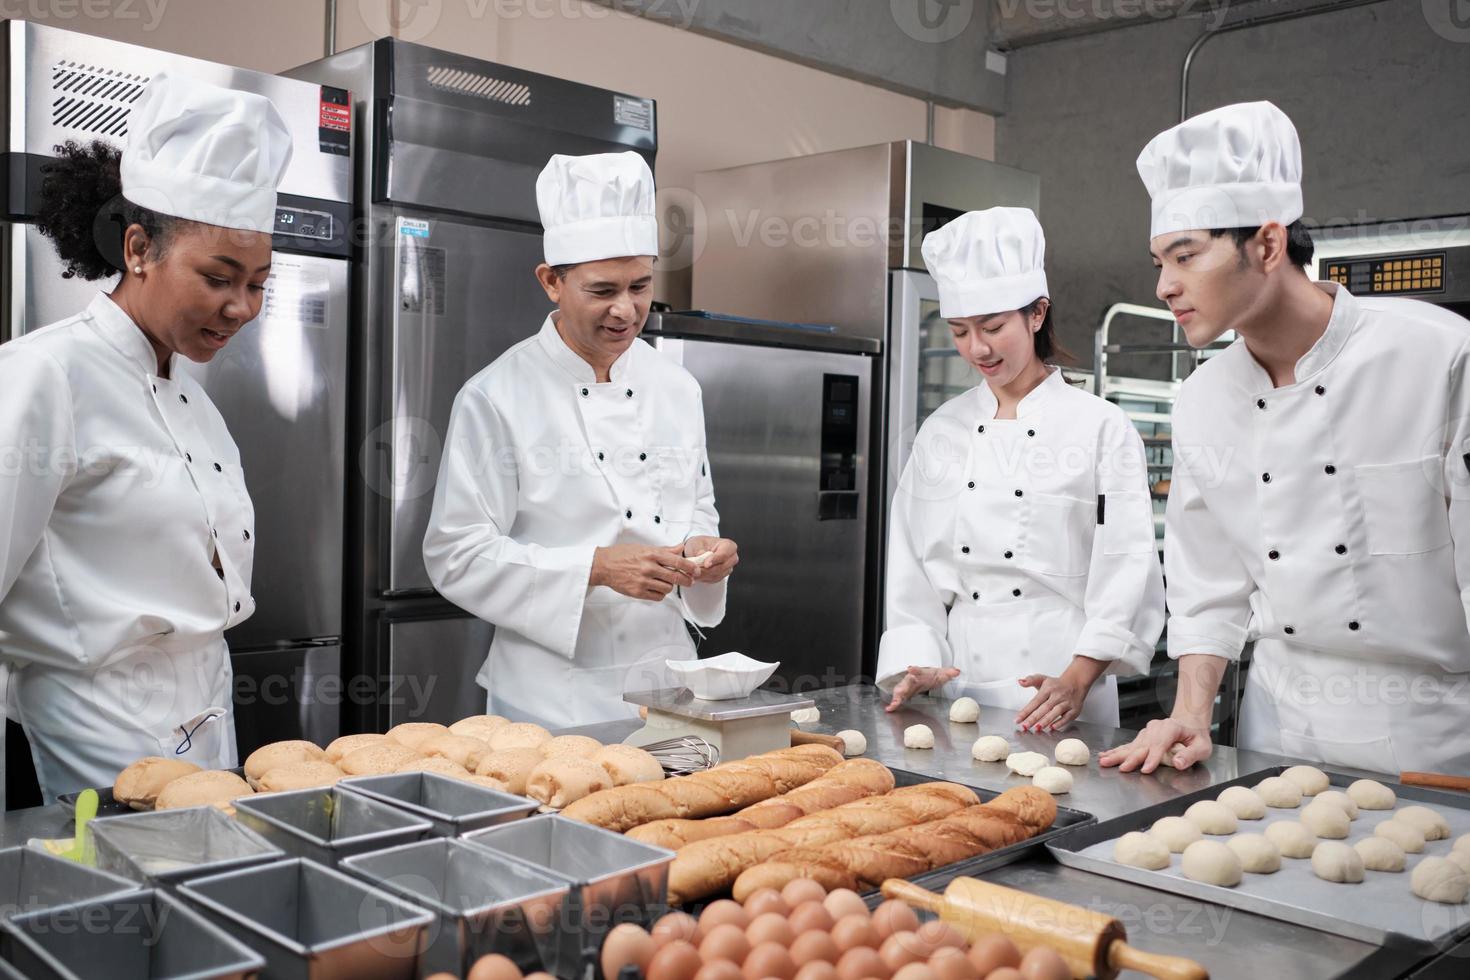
(340, 747)
(139, 784)
(579, 746)
(463, 749)
(269, 757)
(209, 787)
(817, 754)
(377, 759)
(628, 764)
(479, 726)
(434, 763)
(488, 782)
(309, 774)
(511, 767)
(519, 735)
(675, 834)
(413, 733)
(560, 780)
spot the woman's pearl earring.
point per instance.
(137, 270)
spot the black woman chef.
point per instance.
(127, 530)
(1022, 568)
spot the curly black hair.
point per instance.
(84, 214)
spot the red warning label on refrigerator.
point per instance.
(338, 117)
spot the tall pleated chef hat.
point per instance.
(597, 207)
(205, 153)
(1239, 166)
(987, 262)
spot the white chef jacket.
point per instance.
(1327, 520)
(1016, 544)
(542, 465)
(117, 488)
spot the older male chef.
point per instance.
(575, 509)
(1320, 502)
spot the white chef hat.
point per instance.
(1235, 167)
(205, 153)
(987, 262)
(597, 207)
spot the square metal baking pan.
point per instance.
(31, 880)
(167, 846)
(452, 806)
(328, 824)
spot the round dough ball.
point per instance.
(1380, 854)
(965, 711)
(1054, 779)
(1409, 838)
(918, 737)
(1258, 856)
(1370, 794)
(1426, 821)
(1176, 833)
(1462, 843)
(1279, 793)
(1326, 820)
(1461, 858)
(1244, 802)
(1213, 817)
(1073, 752)
(990, 748)
(1309, 779)
(1340, 799)
(1335, 861)
(854, 742)
(805, 716)
(1026, 763)
(1439, 880)
(1141, 850)
(1294, 840)
(1213, 863)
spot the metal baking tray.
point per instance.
(452, 806)
(109, 807)
(1379, 910)
(138, 936)
(328, 824)
(31, 880)
(167, 846)
(485, 905)
(312, 922)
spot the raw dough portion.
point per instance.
(1405, 836)
(1212, 817)
(1380, 854)
(1311, 779)
(1244, 802)
(1424, 820)
(1370, 794)
(1326, 820)
(1073, 752)
(1213, 863)
(990, 748)
(1054, 779)
(1026, 763)
(1176, 833)
(1279, 793)
(1257, 854)
(1335, 861)
(805, 716)
(1294, 840)
(965, 711)
(1141, 850)
(1340, 799)
(1440, 880)
(1462, 843)
(918, 737)
(1461, 858)
(854, 742)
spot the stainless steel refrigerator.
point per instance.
(280, 384)
(449, 148)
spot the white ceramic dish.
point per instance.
(722, 678)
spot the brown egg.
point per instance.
(1044, 963)
(816, 944)
(441, 976)
(949, 963)
(936, 935)
(722, 912)
(676, 960)
(675, 925)
(991, 952)
(768, 960)
(901, 949)
(894, 916)
(817, 970)
(809, 916)
(718, 970)
(627, 944)
(914, 971)
(726, 942)
(855, 931)
(801, 890)
(844, 902)
(764, 900)
(542, 975)
(769, 928)
(862, 963)
(494, 967)
(1006, 973)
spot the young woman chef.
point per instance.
(128, 531)
(1022, 568)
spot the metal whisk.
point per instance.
(685, 754)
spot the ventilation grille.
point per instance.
(480, 86)
(93, 100)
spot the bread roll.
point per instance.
(412, 733)
(139, 784)
(340, 747)
(628, 764)
(434, 763)
(479, 726)
(488, 783)
(559, 781)
(579, 746)
(512, 767)
(310, 774)
(210, 787)
(463, 749)
(519, 735)
(376, 760)
(268, 757)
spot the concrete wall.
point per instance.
(1376, 92)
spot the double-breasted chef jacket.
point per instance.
(120, 491)
(1327, 521)
(543, 465)
(1016, 544)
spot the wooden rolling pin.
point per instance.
(1092, 944)
(1437, 780)
(799, 737)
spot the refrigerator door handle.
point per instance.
(838, 505)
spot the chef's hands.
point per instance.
(918, 680)
(641, 572)
(1189, 744)
(1059, 699)
(724, 555)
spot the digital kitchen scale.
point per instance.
(740, 727)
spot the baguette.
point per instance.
(674, 834)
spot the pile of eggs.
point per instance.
(804, 933)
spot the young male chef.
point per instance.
(575, 508)
(1320, 485)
